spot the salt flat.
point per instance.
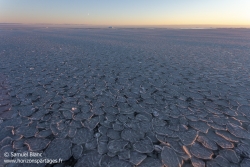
(126, 97)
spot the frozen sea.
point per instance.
(90, 97)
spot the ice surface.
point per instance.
(59, 148)
(169, 157)
(126, 97)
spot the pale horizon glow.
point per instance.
(124, 13)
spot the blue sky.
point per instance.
(126, 12)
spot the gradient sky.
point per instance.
(127, 12)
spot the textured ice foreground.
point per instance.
(126, 97)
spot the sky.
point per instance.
(127, 12)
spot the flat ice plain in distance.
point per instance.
(126, 97)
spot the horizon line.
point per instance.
(134, 26)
